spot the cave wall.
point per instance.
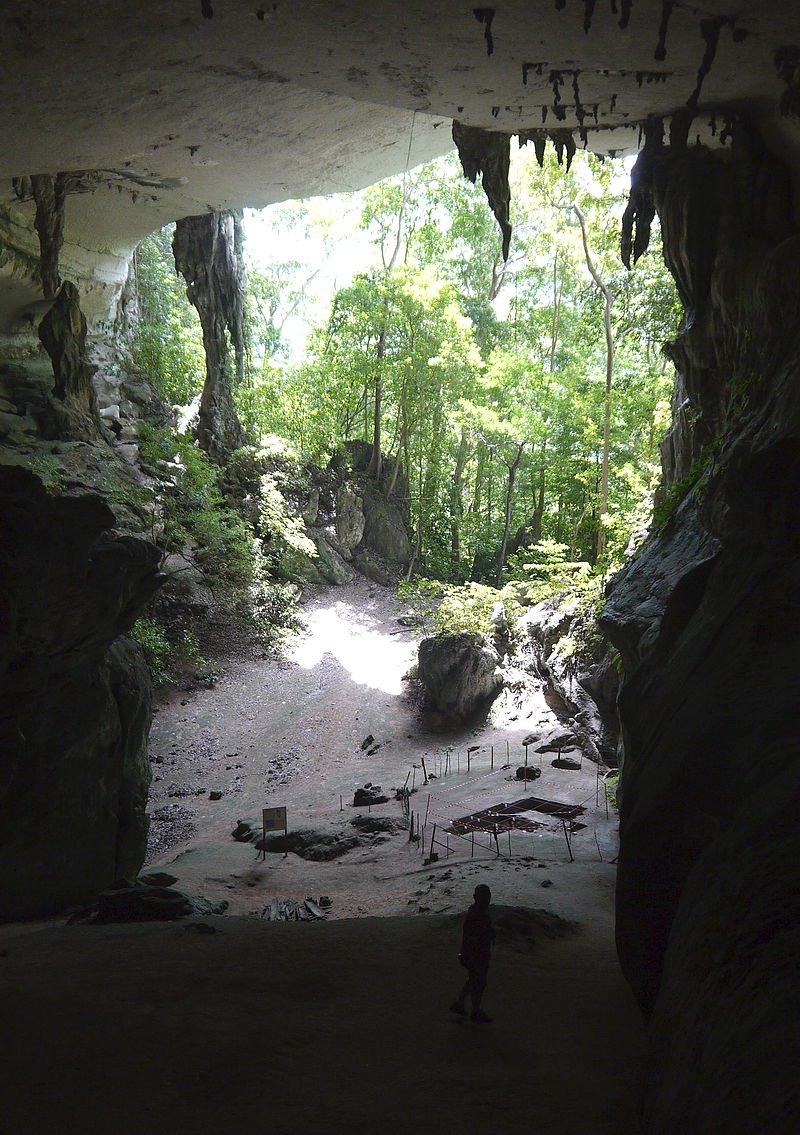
(74, 697)
(706, 619)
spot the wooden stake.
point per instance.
(566, 837)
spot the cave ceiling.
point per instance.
(170, 109)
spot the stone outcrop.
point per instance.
(208, 255)
(74, 705)
(583, 682)
(63, 335)
(385, 531)
(705, 618)
(350, 518)
(460, 675)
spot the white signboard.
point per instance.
(274, 819)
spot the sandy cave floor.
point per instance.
(342, 1025)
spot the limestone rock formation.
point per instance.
(459, 673)
(260, 104)
(584, 683)
(332, 566)
(208, 255)
(385, 531)
(350, 518)
(74, 709)
(63, 335)
(705, 618)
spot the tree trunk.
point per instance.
(538, 512)
(456, 503)
(512, 476)
(608, 301)
(374, 469)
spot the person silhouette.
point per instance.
(476, 949)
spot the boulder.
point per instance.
(384, 529)
(368, 795)
(311, 511)
(300, 567)
(350, 517)
(374, 567)
(330, 563)
(459, 674)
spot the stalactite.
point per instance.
(666, 14)
(580, 110)
(488, 153)
(787, 64)
(485, 16)
(50, 194)
(588, 14)
(710, 30)
(563, 143)
(207, 250)
(638, 217)
(528, 67)
(206, 10)
(627, 8)
(556, 79)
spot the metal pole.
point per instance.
(424, 770)
(492, 757)
(427, 807)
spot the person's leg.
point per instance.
(458, 1005)
(477, 986)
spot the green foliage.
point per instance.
(49, 471)
(281, 528)
(697, 477)
(275, 611)
(450, 609)
(168, 342)
(170, 654)
(191, 516)
(152, 637)
(546, 569)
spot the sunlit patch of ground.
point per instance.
(358, 642)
